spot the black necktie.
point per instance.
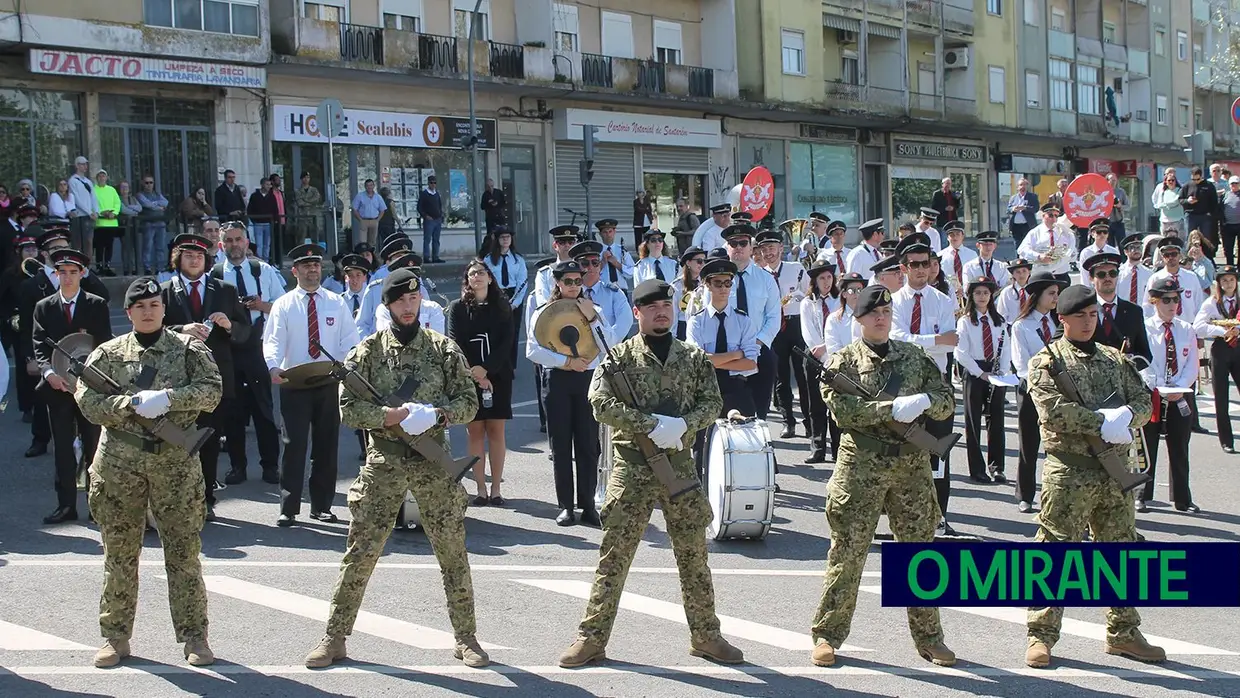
(658, 271)
(503, 272)
(721, 335)
(611, 270)
(356, 305)
(239, 280)
(742, 300)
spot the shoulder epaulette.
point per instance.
(738, 311)
(699, 311)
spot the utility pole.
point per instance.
(587, 169)
(471, 142)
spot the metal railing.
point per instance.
(507, 60)
(361, 44)
(437, 53)
(701, 82)
(651, 77)
(960, 107)
(845, 91)
(596, 70)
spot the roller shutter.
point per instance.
(611, 190)
(675, 160)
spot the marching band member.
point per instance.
(1012, 297)
(923, 316)
(392, 248)
(887, 273)
(1134, 276)
(1173, 364)
(815, 309)
(866, 254)
(617, 262)
(571, 424)
(792, 283)
(1222, 307)
(755, 293)
(1049, 246)
(903, 230)
(1100, 229)
(563, 237)
(925, 224)
(1191, 295)
(1120, 323)
(984, 350)
(831, 245)
(431, 314)
(984, 263)
(1033, 330)
(509, 270)
(356, 277)
(709, 234)
(955, 258)
(842, 330)
(652, 263)
(617, 313)
(688, 288)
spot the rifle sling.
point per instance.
(873, 445)
(153, 446)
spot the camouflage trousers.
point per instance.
(1072, 498)
(631, 498)
(374, 501)
(863, 486)
(124, 482)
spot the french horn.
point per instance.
(799, 237)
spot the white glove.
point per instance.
(1115, 423)
(676, 427)
(421, 418)
(152, 403)
(906, 408)
(1151, 380)
(663, 433)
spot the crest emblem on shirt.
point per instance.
(1188, 294)
(331, 321)
(1186, 352)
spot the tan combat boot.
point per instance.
(198, 652)
(824, 654)
(937, 654)
(1038, 655)
(717, 650)
(582, 652)
(1138, 648)
(111, 654)
(330, 649)
(470, 652)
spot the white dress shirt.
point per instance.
(625, 273)
(1210, 310)
(948, 263)
(938, 315)
(1090, 251)
(792, 279)
(842, 330)
(270, 281)
(286, 338)
(703, 328)
(1191, 295)
(814, 313)
(544, 284)
(1027, 340)
(518, 275)
(545, 357)
(708, 235)
(1008, 303)
(1038, 242)
(936, 240)
(837, 257)
(644, 270)
(431, 316)
(971, 347)
(992, 267)
(862, 258)
(1185, 353)
(67, 305)
(1124, 284)
(762, 298)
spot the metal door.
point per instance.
(520, 184)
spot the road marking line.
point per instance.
(22, 639)
(735, 627)
(1079, 628)
(527, 403)
(404, 632)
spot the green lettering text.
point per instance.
(970, 576)
(1102, 568)
(1166, 575)
(1143, 558)
(1073, 577)
(1037, 576)
(916, 587)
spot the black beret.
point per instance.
(398, 283)
(309, 252)
(719, 266)
(1132, 239)
(68, 255)
(721, 208)
(988, 236)
(413, 260)
(395, 245)
(140, 289)
(51, 235)
(566, 267)
(585, 248)
(1165, 286)
(1100, 224)
(867, 228)
(737, 230)
(565, 231)
(1076, 298)
(818, 216)
(1227, 269)
(820, 266)
(1019, 263)
(872, 297)
(606, 223)
(193, 241)
(651, 291)
(354, 261)
(690, 253)
(768, 236)
(913, 243)
(1104, 258)
(885, 264)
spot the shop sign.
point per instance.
(146, 68)
(947, 153)
(827, 133)
(639, 129)
(361, 127)
(1126, 168)
(1100, 166)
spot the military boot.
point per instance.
(330, 649)
(582, 652)
(198, 653)
(824, 654)
(470, 652)
(717, 650)
(1038, 655)
(112, 652)
(937, 654)
(1138, 648)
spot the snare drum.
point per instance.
(408, 517)
(740, 480)
(606, 461)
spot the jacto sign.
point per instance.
(146, 68)
(639, 129)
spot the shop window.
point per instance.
(239, 17)
(170, 138)
(410, 167)
(823, 177)
(750, 153)
(566, 26)
(40, 136)
(670, 188)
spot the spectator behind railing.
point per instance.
(154, 224)
(26, 195)
(60, 204)
(263, 210)
(130, 230)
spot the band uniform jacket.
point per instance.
(1129, 325)
(35, 289)
(218, 297)
(90, 315)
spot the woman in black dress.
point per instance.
(481, 324)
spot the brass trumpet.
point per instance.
(799, 237)
(1227, 323)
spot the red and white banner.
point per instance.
(146, 68)
(1087, 198)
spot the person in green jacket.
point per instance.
(107, 228)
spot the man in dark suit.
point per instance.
(1118, 320)
(947, 202)
(208, 309)
(65, 312)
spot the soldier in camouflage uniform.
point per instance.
(444, 395)
(876, 472)
(1076, 491)
(133, 470)
(676, 393)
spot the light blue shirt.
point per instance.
(762, 295)
(372, 298)
(369, 207)
(615, 305)
(703, 328)
(518, 275)
(544, 284)
(271, 283)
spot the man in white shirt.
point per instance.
(985, 264)
(709, 234)
(87, 206)
(1134, 276)
(925, 224)
(617, 262)
(792, 281)
(867, 254)
(755, 293)
(394, 247)
(1047, 236)
(303, 323)
(1173, 364)
(956, 258)
(1191, 293)
(1100, 229)
(831, 246)
(925, 317)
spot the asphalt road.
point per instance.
(269, 589)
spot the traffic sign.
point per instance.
(329, 117)
(1235, 111)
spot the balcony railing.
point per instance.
(701, 82)
(361, 44)
(868, 98)
(651, 77)
(437, 53)
(507, 61)
(960, 107)
(844, 91)
(596, 70)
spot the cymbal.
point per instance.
(562, 329)
(80, 345)
(310, 375)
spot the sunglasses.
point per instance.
(596, 262)
(1106, 274)
(1170, 253)
(851, 291)
(148, 181)
(658, 240)
(1168, 300)
(721, 283)
(918, 265)
(572, 282)
(232, 224)
(743, 242)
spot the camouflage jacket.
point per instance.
(917, 370)
(438, 370)
(683, 387)
(1097, 377)
(182, 364)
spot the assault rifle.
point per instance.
(912, 432)
(423, 444)
(1113, 457)
(190, 440)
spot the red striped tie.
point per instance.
(914, 325)
(988, 346)
(312, 324)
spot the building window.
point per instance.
(42, 134)
(403, 15)
(1108, 32)
(1061, 85)
(998, 85)
(994, 7)
(1160, 42)
(1033, 90)
(1197, 120)
(850, 67)
(1160, 110)
(1186, 113)
(617, 32)
(823, 178)
(668, 45)
(326, 10)
(1031, 12)
(1088, 89)
(1197, 53)
(462, 11)
(1181, 45)
(793, 43)
(239, 17)
(1058, 19)
(567, 29)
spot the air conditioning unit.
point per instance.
(846, 36)
(955, 58)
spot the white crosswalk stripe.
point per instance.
(20, 638)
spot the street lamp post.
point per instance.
(472, 141)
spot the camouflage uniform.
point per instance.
(684, 387)
(1076, 491)
(866, 483)
(391, 469)
(127, 477)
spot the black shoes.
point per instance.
(590, 517)
(481, 501)
(1190, 509)
(61, 515)
(324, 516)
(1141, 507)
(285, 521)
(235, 476)
(566, 518)
(789, 432)
(816, 457)
(271, 476)
(997, 476)
(37, 448)
(981, 478)
(210, 512)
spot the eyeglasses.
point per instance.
(1170, 253)
(1106, 274)
(742, 242)
(1168, 300)
(576, 281)
(472, 273)
(918, 265)
(697, 260)
(25, 188)
(721, 283)
(596, 262)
